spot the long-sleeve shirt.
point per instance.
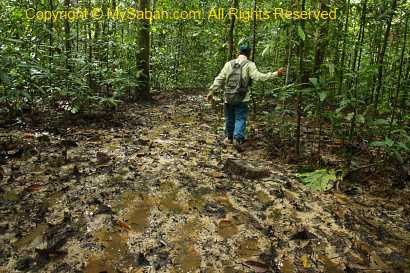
(249, 71)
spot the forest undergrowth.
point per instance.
(151, 188)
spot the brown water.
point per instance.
(224, 200)
(115, 252)
(98, 264)
(248, 248)
(138, 208)
(188, 257)
(170, 201)
(227, 229)
(288, 266)
(138, 215)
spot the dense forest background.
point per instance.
(347, 80)
(112, 160)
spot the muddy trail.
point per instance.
(153, 189)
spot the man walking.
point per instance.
(235, 77)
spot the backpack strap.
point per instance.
(242, 65)
(234, 62)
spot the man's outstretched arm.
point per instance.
(255, 75)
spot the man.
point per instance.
(235, 78)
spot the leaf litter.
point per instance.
(160, 193)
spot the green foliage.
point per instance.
(301, 33)
(320, 180)
(396, 147)
(94, 65)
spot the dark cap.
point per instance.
(245, 49)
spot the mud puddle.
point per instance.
(116, 254)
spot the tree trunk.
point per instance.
(321, 43)
(231, 44)
(380, 59)
(253, 56)
(359, 42)
(342, 61)
(144, 54)
(303, 79)
(67, 29)
(403, 50)
(254, 32)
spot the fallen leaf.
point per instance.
(138, 270)
(140, 154)
(34, 188)
(329, 265)
(341, 198)
(28, 136)
(102, 158)
(288, 266)
(257, 266)
(256, 224)
(305, 261)
(123, 225)
(10, 146)
(216, 174)
(320, 180)
(339, 141)
(377, 260)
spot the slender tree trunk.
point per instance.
(380, 59)
(303, 80)
(77, 25)
(355, 67)
(359, 42)
(253, 54)
(406, 90)
(403, 50)
(144, 55)
(50, 51)
(67, 36)
(342, 61)
(254, 32)
(375, 48)
(50, 27)
(320, 44)
(114, 26)
(361, 46)
(231, 44)
(90, 52)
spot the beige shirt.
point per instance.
(249, 71)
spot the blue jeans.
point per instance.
(235, 120)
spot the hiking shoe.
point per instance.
(227, 141)
(238, 143)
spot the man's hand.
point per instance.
(281, 71)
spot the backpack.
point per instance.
(235, 85)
